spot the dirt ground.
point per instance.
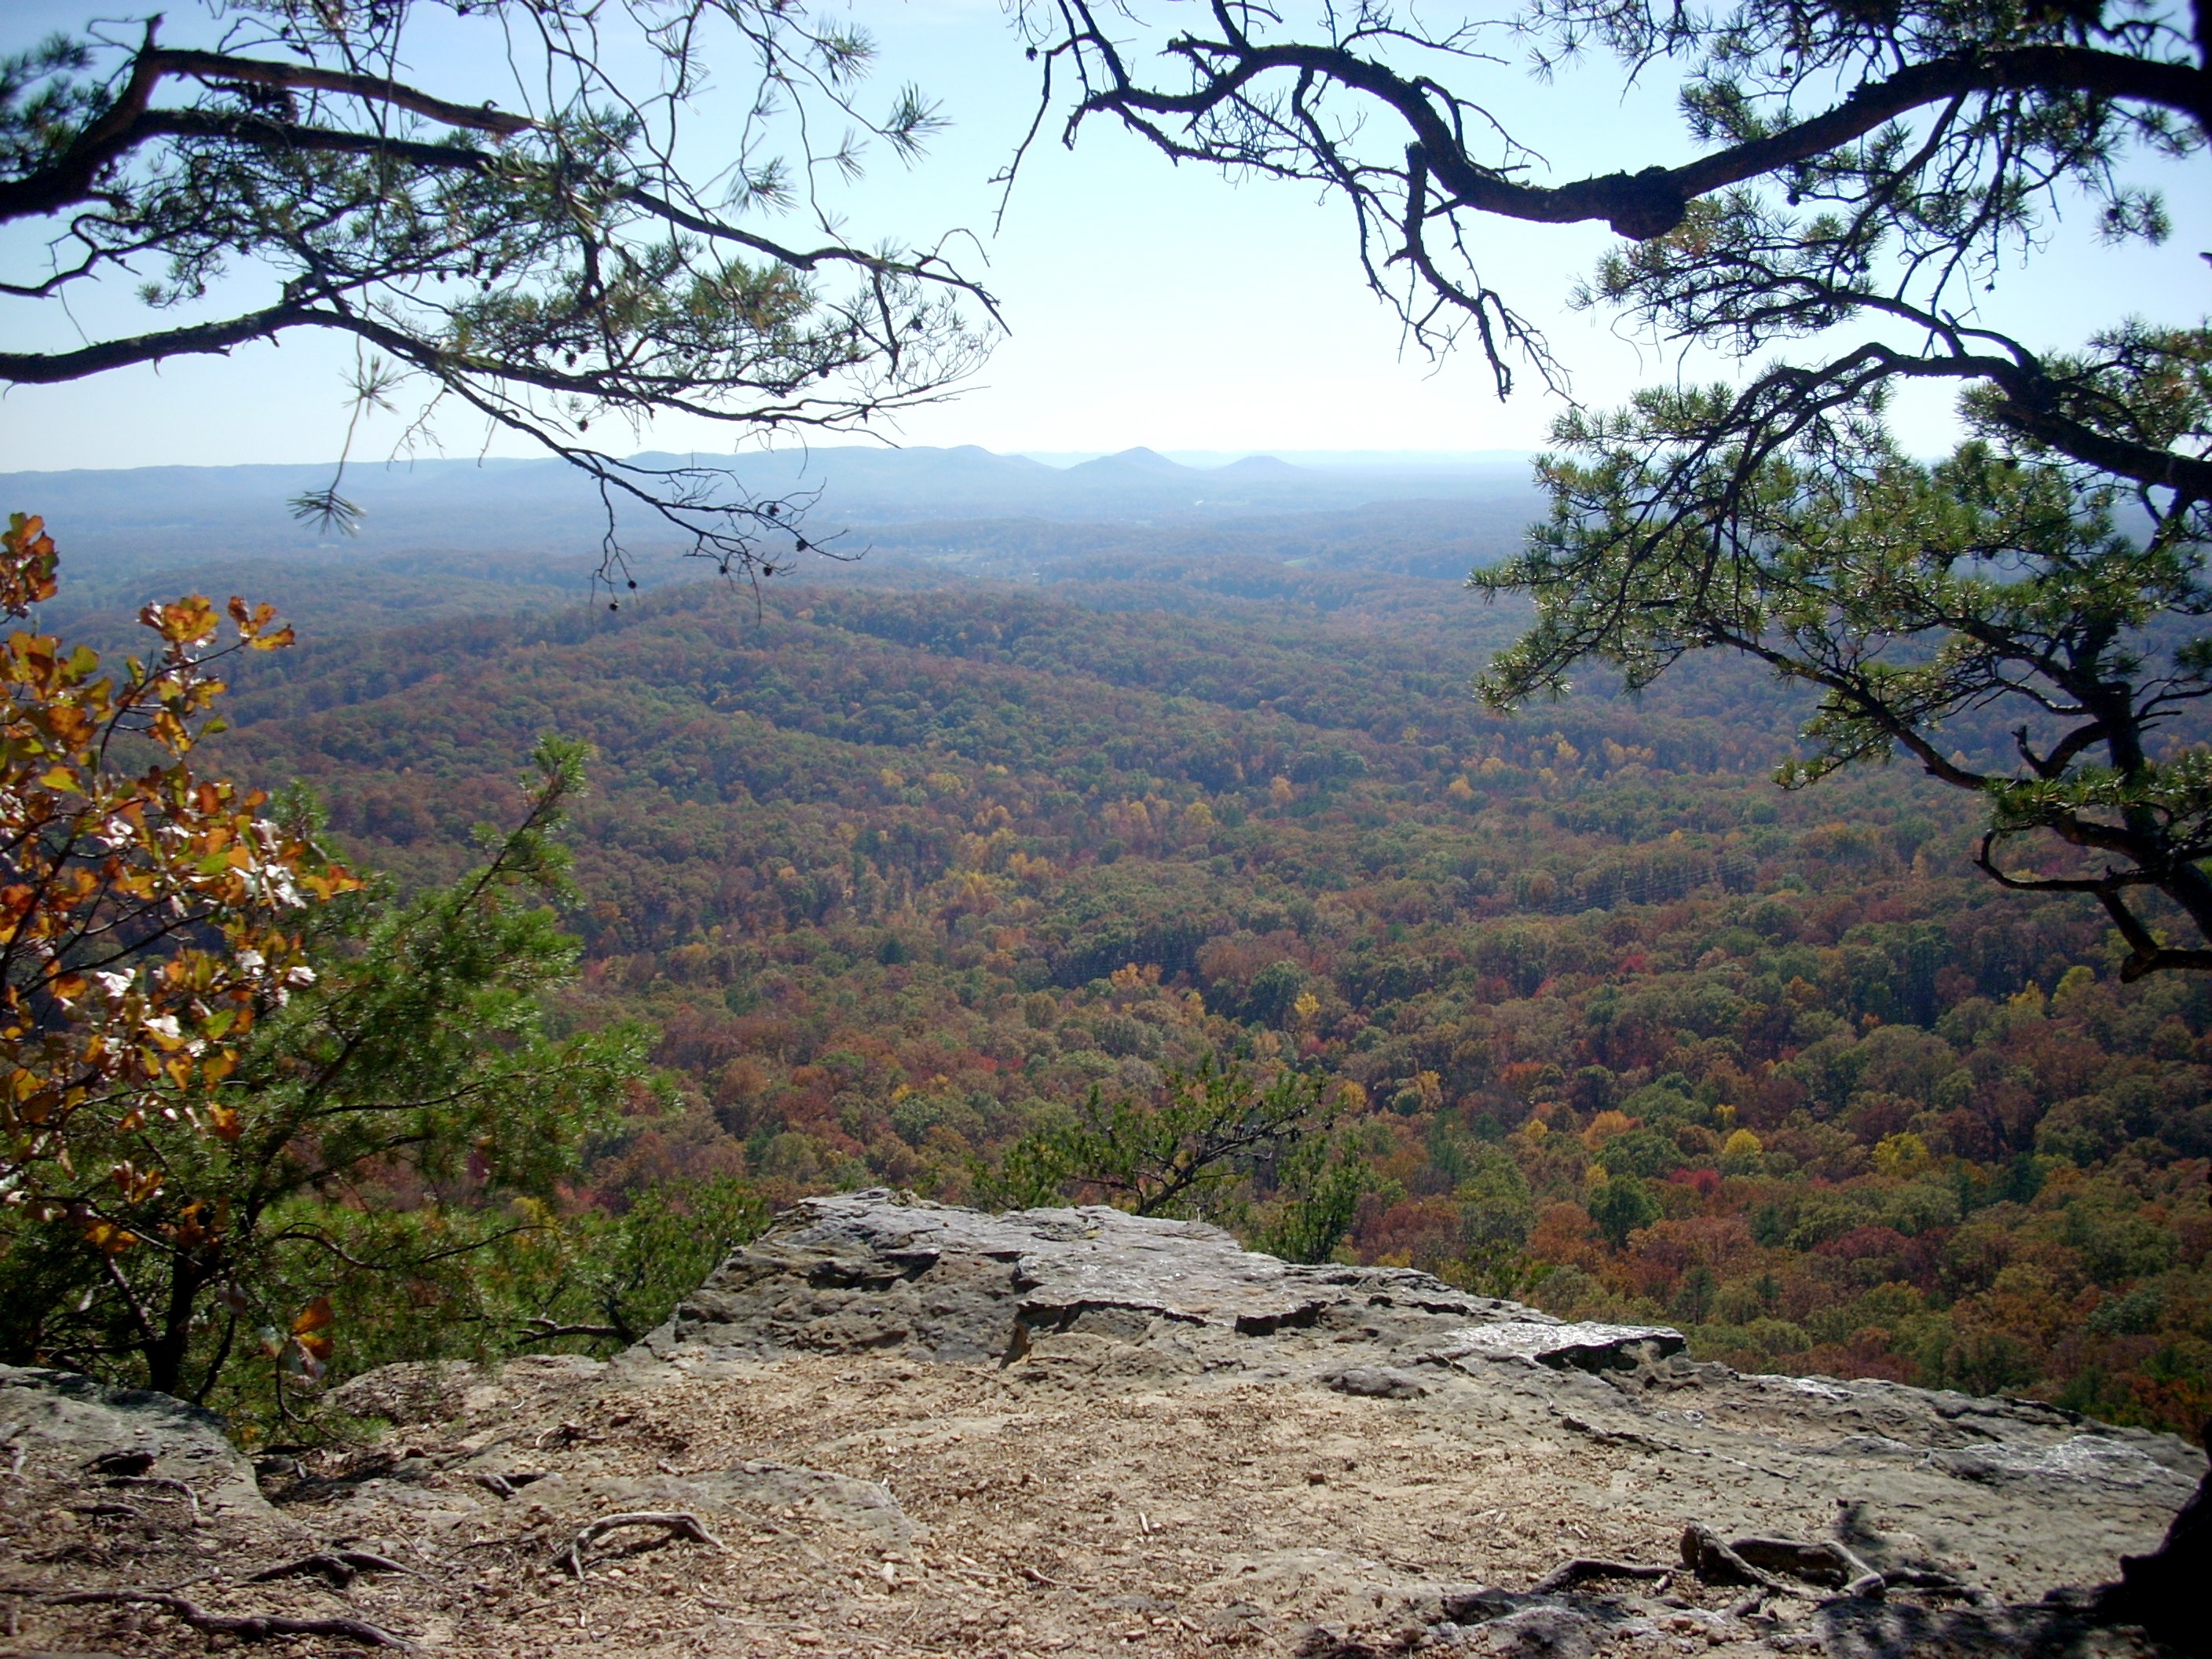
(892, 1428)
(1028, 1514)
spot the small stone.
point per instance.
(1542, 1633)
(1376, 1382)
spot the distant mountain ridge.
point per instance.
(141, 517)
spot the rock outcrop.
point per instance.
(863, 1272)
(891, 1427)
(144, 1446)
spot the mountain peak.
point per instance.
(1139, 460)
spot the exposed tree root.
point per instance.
(112, 1508)
(136, 1462)
(1770, 1563)
(1937, 1583)
(680, 1523)
(246, 1627)
(505, 1485)
(1717, 1563)
(340, 1567)
(1584, 1569)
(1827, 1562)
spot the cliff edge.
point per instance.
(890, 1427)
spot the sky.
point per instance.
(1147, 303)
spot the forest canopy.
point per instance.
(1143, 887)
(1600, 1020)
(1862, 180)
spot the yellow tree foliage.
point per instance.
(147, 914)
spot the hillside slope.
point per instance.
(902, 873)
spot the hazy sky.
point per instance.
(1149, 304)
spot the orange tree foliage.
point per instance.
(242, 1084)
(147, 913)
(1638, 1036)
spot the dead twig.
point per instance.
(164, 1483)
(1582, 1569)
(680, 1523)
(545, 1330)
(248, 1627)
(112, 1508)
(505, 1485)
(340, 1567)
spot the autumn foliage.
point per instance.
(262, 1116)
(148, 916)
(1614, 1026)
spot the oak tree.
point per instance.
(148, 916)
(235, 1079)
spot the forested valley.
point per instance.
(901, 866)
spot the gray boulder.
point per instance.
(870, 1271)
(72, 1428)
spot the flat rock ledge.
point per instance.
(871, 1272)
(1094, 1299)
(61, 1426)
(888, 1428)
